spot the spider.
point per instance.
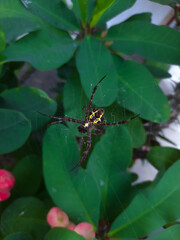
(94, 119)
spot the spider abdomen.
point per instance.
(96, 116)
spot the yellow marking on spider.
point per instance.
(97, 119)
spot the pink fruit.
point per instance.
(7, 180)
(4, 194)
(57, 218)
(85, 229)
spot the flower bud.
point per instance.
(7, 180)
(4, 194)
(71, 226)
(85, 229)
(57, 218)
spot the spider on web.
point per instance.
(94, 119)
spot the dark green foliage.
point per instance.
(75, 41)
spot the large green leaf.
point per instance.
(18, 236)
(107, 164)
(105, 10)
(159, 43)
(93, 62)
(15, 20)
(26, 185)
(139, 93)
(168, 234)
(29, 100)
(14, 130)
(55, 13)
(70, 190)
(62, 234)
(44, 49)
(148, 212)
(25, 215)
(163, 157)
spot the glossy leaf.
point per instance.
(159, 43)
(55, 13)
(93, 62)
(107, 164)
(148, 212)
(29, 100)
(14, 131)
(28, 175)
(63, 234)
(83, 9)
(169, 233)
(18, 236)
(25, 215)
(70, 190)
(157, 72)
(136, 88)
(15, 20)
(163, 157)
(44, 49)
(104, 11)
(2, 40)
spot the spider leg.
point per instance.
(99, 131)
(63, 119)
(121, 122)
(88, 146)
(93, 92)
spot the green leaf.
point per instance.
(167, 2)
(140, 17)
(167, 234)
(115, 113)
(74, 99)
(105, 10)
(159, 43)
(44, 49)
(149, 212)
(70, 190)
(28, 175)
(93, 62)
(29, 100)
(157, 72)
(14, 131)
(2, 40)
(15, 20)
(163, 157)
(136, 88)
(83, 9)
(62, 234)
(107, 164)
(18, 236)
(55, 13)
(25, 215)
